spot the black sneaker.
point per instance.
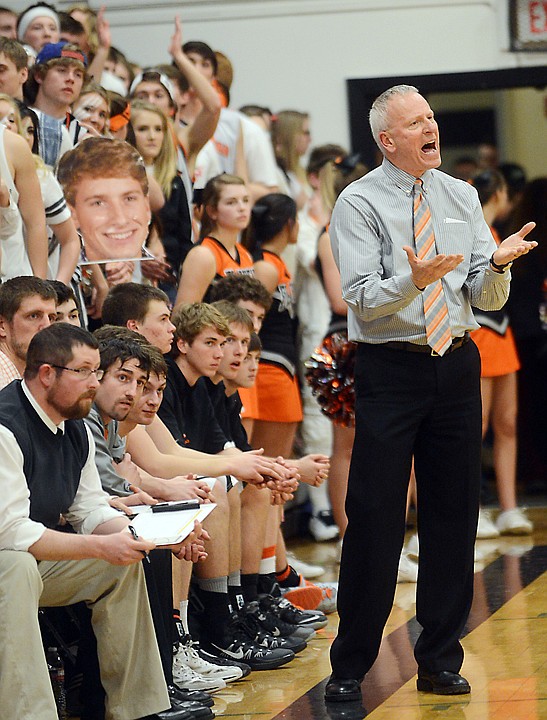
(303, 618)
(237, 645)
(273, 625)
(277, 627)
(224, 662)
(253, 618)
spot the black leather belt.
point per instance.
(413, 347)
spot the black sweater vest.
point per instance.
(52, 463)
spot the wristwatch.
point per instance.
(499, 268)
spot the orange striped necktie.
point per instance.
(437, 324)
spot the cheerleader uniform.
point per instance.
(276, 384)
(225, 263)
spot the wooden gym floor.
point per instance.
(505, 644)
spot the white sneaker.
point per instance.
(514, 522)
(302, 568)
(412, 548)
(408, 570)
(185, 677)
(486, 527)
(323, 527)
(189, 657)
(330, 593)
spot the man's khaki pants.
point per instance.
(129, 660)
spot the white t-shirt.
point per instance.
(225, 139)
(207, 165)
(259, 153)
(56, 212)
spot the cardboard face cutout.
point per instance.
(110, 207)
(112, 215)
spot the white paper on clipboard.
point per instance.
(169, 528)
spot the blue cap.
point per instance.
(51, 51)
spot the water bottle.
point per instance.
(57, 675)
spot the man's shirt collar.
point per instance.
(402, 179)
(48, 422)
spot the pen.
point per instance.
(136, 537)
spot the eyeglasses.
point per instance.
(84, 373)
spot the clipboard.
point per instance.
(168, 528)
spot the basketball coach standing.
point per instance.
(414, 254)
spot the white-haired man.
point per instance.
(414, 254)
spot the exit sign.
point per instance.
(528, 25)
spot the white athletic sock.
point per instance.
(184, 615)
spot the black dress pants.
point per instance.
(410, 405)
(159, 583)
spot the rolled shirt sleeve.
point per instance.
(17, 530)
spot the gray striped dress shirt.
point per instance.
(372, 220)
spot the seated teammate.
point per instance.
(200, 332)
(126, 363)
(41, 566)
(224, 395)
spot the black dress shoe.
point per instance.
(183, 695)
(171, 714)
(198, 711)
(442, 683)
(342, 689)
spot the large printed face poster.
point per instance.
(112, 215)
(108, 199)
